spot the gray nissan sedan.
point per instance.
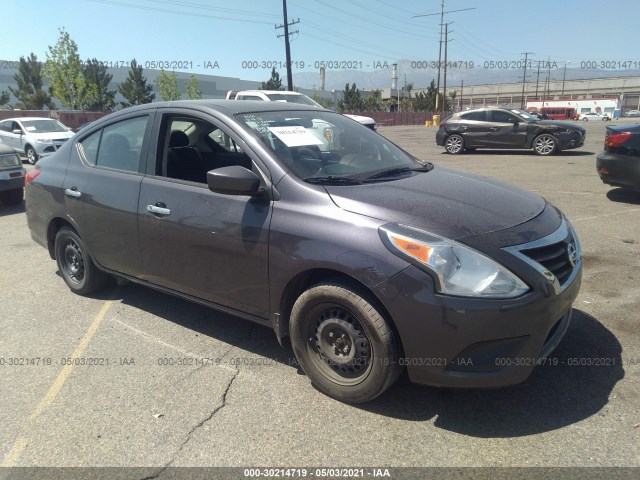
(304, 221)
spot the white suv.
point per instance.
(291, 97)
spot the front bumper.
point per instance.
(571, 139)
(473, 342)
(619, 170)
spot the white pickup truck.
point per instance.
(293, 97)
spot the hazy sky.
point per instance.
(238, 39)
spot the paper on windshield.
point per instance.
(295, 136)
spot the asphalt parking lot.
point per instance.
(137, 378)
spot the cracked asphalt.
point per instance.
(163, 383)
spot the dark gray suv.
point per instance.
(306, 222)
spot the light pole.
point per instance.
(564, 76)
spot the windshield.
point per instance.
(292, 98)
(43, 126)
(325, 147)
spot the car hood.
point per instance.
(361, 119)
(442, 201)
(50, 135)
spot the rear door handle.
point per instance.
(73, 192)
(493, 129)
(158, 209)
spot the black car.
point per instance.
(619, 164)
(307, 222)
(498, 127)
(11, 176)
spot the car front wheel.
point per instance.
(343, 343)
(454, 144)
(75, 264)
(545, 144)
(32, 156)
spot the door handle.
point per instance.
(493, 129)
(72, 192)
(158, 209)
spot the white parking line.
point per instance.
(605, 215)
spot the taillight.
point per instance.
(616, 139)
(30, 176)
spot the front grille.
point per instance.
(558, 256)
(554, 258)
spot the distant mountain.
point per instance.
(421, 77)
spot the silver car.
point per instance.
(34, 137)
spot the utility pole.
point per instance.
(442, 13)
(287, 48)
(444, 89)
(524, 78)
(537, 80)
(461, 91)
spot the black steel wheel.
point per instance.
(343, 343)
(454, 144)
(545, 144)
(32, 156)
(75, 264)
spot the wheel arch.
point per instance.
(54, 226)
(304, 280)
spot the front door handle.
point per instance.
(72, 192)
(158, 209)
(493, 129)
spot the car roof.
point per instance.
(29, 118)
(228, 107)
(272, 92)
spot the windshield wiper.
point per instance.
(331, 180)
(392, 172)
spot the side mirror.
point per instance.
(17, 131)
(233, 180)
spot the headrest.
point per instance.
(178, 139)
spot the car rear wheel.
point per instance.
(545, 144)
(12, 197)
(32, 156)
(585, 119)
(454, 144)
(75, 264)
(343, 343)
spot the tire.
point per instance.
(32, 156)
(454, 144)
(75, 264)
(545, 144)
(12, 197)
(585, 119)
(343, 343)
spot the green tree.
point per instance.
(191, 88)
(135, 89)
(325, 102)
(65, 72)
(351, 99)
(426, 102)
(167, 84)
(95, 73)
(29, 81)
(4, 98)
(451, 104)
(373, 102)
(274, 83)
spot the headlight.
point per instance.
(458, 269)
